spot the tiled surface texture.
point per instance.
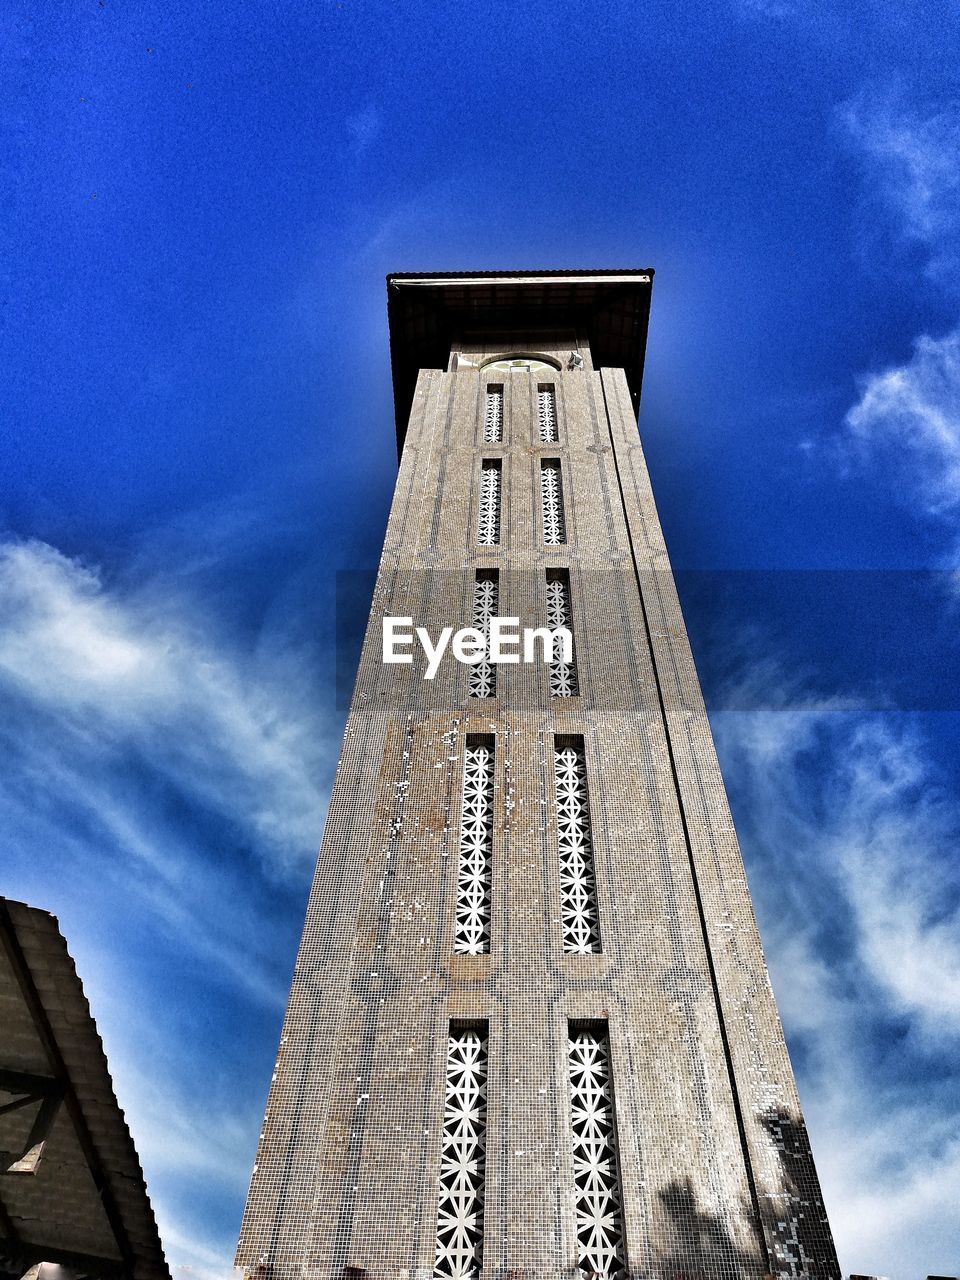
(716, 1173)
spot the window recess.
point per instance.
(547, 413)
(564, 682)
(493, 414)
(463, 1154)
(471, 933)
(596, 1172)
(551, 503)
(486, 602)
(579, 915)
(491, 482)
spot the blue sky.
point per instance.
(201, 202)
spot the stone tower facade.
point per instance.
(530, 1031)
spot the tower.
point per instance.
(530, 1031)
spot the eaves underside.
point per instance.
(427, 312)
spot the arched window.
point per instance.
(521, 362)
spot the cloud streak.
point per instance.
(912, 173)
(908, 413)
(117, 674)
(911, 413)
(848, 837)
(163, 792)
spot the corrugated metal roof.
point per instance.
(427, 312)
(71, 1186)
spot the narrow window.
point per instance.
(579, 918)
(563, 675)
(471, 934)
(599, 1216)
(488, 534)
(547, 412)
(551, 502)
(462, 1160)
(493, 415)
(486, 601)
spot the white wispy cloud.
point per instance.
(911, 164)
(193, 1256)
(405, 228)
(908, 413)
(364, 127)
(912, 411)
(117, 671)
(181, 1131)
(162, 783)
(849, 837)
(894, 834)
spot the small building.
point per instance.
(73, 1201)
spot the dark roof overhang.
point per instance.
(609, 310)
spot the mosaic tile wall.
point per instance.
(704, 1166)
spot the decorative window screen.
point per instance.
(491, 475)
(547, 413)
(462, 1160)
(493, 415)
(599, 1218)
(563, 675)
(486, 601)
(551, 502)
(579, 917)
(471, 934)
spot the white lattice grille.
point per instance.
(547, 414)
(579, 918)
(563, 675)
(493, 416)
(551, 503)
(460, 1207)
(471, 934)
(486, 600)
(600, 1249)
(488, 534)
